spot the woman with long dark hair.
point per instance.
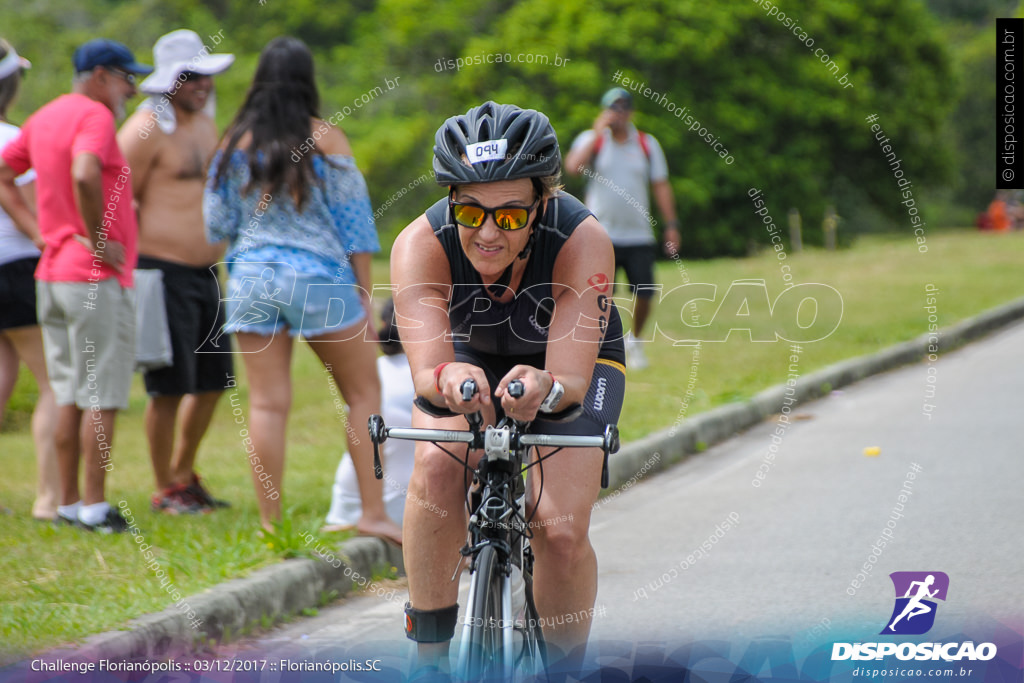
(285, 192)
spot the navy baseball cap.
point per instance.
(104, 52)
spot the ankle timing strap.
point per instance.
(430, 626)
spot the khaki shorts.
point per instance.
(89, 340)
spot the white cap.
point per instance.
(13, 62)
(177, 52)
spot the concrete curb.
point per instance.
(270, 593)
(291, 586)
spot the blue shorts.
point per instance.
(264, 298)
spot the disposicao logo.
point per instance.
(914, 614)
(916, 592)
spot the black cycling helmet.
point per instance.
(499, 142)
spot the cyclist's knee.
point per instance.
(564, 539)
(436, 475)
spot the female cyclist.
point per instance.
(506, 278)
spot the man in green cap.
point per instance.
(619, 162)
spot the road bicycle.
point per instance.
(501, 638)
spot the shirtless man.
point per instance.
(168, 143)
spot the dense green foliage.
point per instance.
(793, 127)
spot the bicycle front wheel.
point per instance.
(532, 654)
(485, 651)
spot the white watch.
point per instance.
(553, 398)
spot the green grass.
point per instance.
(882, 283)
(59, 586)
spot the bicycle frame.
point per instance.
(495, 499)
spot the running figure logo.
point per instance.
(253, 299)
(914, 612)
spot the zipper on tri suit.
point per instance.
(503, 338)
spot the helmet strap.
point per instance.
(528, 247)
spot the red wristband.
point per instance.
(437, 375)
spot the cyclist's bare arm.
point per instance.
(575, 333)
(422, 276)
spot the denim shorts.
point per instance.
(264, 298)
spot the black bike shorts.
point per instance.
(18, 294)
(192, 298)
(601, 406)
(638, 262)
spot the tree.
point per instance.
(746, 72)
(755, 84)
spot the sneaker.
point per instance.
(199, 492)
(114, 523)
(635, 357)
(176, 500)
(60, 520)
(639, 357)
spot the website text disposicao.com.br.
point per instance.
(457, 63)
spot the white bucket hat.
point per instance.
(177, 52)
(13, 62)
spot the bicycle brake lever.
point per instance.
(468, 389)
(611, 445)
(378, 435)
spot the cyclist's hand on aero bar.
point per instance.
(537, 384)
(450, 380)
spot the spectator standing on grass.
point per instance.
(999, 216)
(168, 143)
(300, 235)
(20, 338)
(84, 278)
(397, 396)
(619, 162)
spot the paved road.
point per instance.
(804, 534)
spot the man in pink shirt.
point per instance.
(84, 278)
